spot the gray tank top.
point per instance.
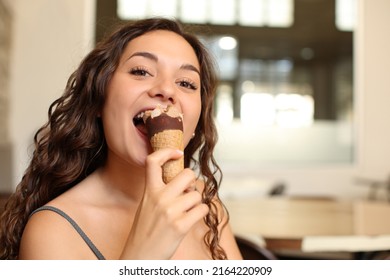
(88, 241)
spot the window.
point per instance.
(272, 13)
(286, 83)
(346, 14)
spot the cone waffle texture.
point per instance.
(169, 139)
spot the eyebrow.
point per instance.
(153, 57)
(190, 67)
(144, 54)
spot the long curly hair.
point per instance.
(71, 145)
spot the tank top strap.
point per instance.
(86, 239)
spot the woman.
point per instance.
(93, 168)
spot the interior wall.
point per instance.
(5, 53)
(49, 38)
(373, 92)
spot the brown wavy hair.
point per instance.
(71, 145)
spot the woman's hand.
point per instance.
(166, 213)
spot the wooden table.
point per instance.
(312, 224)
(290, 218)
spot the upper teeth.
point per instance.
(140, 115)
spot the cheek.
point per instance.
(190, 123)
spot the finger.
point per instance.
(191, 188)
(186, 202)
(191, 217)
(155, 161)
(185, 181)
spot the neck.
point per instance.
(123, 179)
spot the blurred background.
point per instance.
(286, 94)
(301, 108)
(303, 92)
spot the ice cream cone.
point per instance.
(165, 130)
(172, 139)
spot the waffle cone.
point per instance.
(169, 139)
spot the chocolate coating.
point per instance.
(161, 123)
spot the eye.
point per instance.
(139, 71)
(188, 84)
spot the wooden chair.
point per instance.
(252, 251)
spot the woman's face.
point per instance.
(159, 67)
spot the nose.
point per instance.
(165, 90)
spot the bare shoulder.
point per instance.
(48, 235)
(227, 239)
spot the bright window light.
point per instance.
(280, 13)
(294, 110)
(346, 12)
(194, 11)
(284, 110)
(251, 12)
(257, 109)
(128, 9)
(163, 8)
(224, 105)
(273, 13)
(223, 12)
